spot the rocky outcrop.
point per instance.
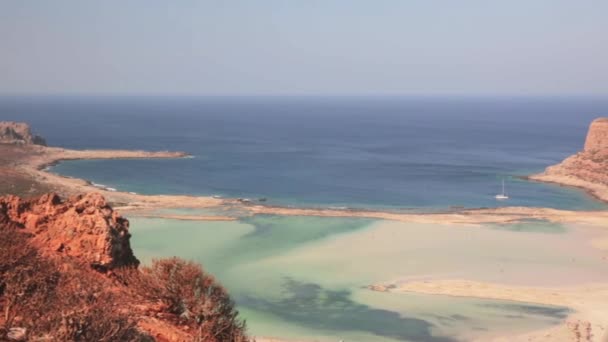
(597, 137)
(587, 169)
(18, 133)
(84, 227)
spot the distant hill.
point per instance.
(18, 133)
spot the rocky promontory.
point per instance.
(24, 162)
(587, 169)
(83, 226)
(18, 133)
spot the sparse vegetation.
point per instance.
(58, 299)
(189, 295)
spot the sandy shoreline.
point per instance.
(598, 191)
(41, 157)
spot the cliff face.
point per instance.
(83, 226)
(587, 169)
(18, 133)
(597, 138)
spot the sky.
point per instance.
(310, 47)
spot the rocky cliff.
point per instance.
(84, 227)
(587, 169)
(597, 137)
(18, 133)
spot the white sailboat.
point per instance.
(503, 195)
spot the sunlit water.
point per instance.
(305, 277)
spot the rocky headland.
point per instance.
(24, 170)
(18, 133)
(587, 169)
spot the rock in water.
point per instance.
(18, 133)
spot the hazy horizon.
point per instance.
(312, 48)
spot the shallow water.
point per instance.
(304, 277)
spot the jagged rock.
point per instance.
(18, 133)
(84, 226)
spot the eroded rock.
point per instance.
(83, 226)
(591, 164)
(18, 133)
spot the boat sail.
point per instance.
(503, 195)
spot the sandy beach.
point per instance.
(38, 158)
(599, 191)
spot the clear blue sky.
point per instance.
(304, 47)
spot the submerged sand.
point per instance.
(589, 322)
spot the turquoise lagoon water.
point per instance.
(305, 277)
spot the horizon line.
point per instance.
(284, 95)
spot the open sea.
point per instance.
(423, 153)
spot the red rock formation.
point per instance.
(84, 227)
(587, 169)
(597, 137)
(18, 133)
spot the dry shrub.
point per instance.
(26, 281)
(89, 312)
(191, 296)
(56, 302)
(55, 299)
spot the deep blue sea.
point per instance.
(394, 152)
